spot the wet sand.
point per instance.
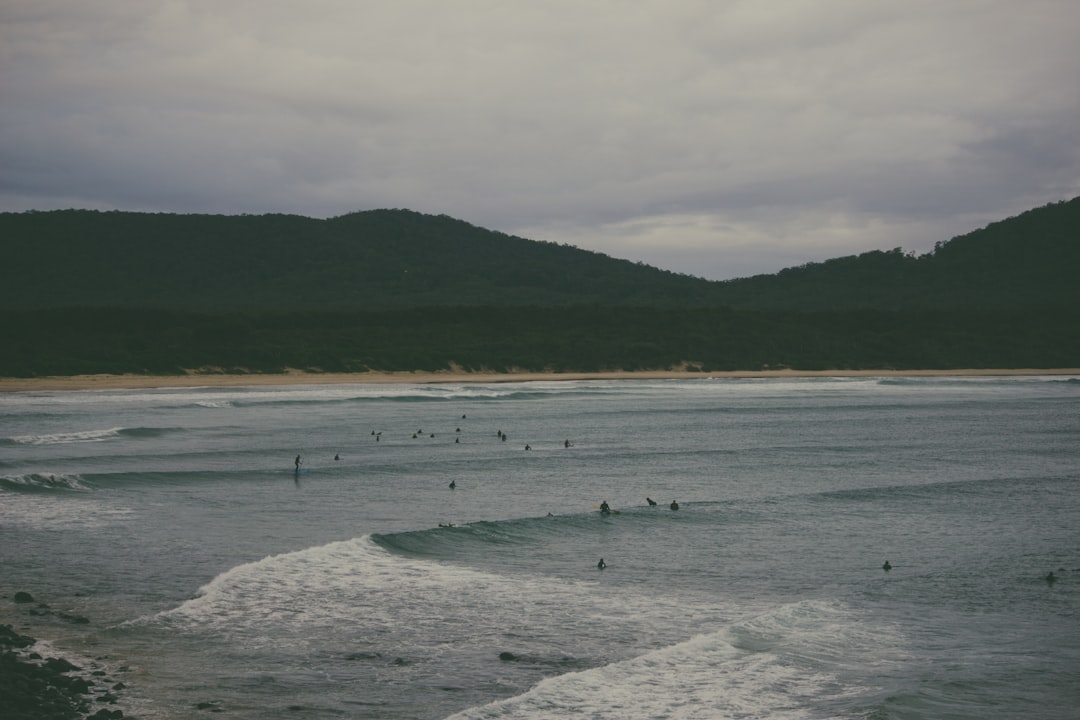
(295, 377)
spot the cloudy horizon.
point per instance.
(716, 139)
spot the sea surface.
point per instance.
(221, 583)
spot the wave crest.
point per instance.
(42, 482)
(87, 436)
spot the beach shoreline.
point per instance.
(296, 377)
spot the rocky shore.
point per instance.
(33, 687)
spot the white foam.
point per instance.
(709, 677)
(80, 436)
(705, 677)
(214, 403)
(42, 511)
(47, 480)
(357, 584)
(56, 510)
(786, 662)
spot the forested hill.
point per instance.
(397, 259)
(1028, 261)
(374, 260)
(118, 292)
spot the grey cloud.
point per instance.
(718, 139)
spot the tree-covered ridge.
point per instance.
(92, 292)
(1030, 260)
(393, 259)
(380, 259)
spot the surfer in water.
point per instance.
(601, 565)
(297, 462)
(605, 508)
(674, 505)
(887, 566)
(650, 501)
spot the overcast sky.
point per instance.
(710, 137)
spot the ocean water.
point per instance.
(220, 583)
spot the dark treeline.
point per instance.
(1028, 261)
(375, 260)
(394, 259)
(581, 339)
(111, 292)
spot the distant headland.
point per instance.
(141, 296)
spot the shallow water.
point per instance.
(172, 519)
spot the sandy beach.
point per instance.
(296, 377)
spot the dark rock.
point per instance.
(79, 686)
(10, 638)
(36, 688)
(60, 665)
(23, 597)
(37, 692)
(507, 656)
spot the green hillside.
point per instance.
(1028, 261)
(112, 292)
(380, 259)
(394, 259)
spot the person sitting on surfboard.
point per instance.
(674, 505)
(605, 508)
(601, 565)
